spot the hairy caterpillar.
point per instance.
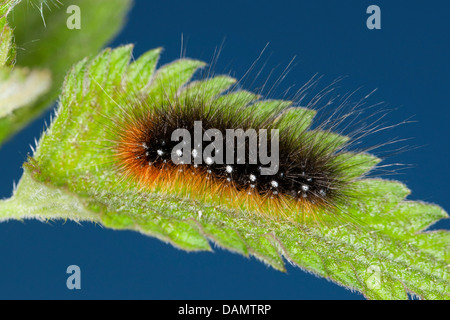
(314, 176)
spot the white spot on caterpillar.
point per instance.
(160, 152)
(194, 153)
(252, 177)
(229, 169)
(209, 160)
(179, 152)
(274, 184)
(305, 187)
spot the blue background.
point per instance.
(407, 60)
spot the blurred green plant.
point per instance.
(37, 49)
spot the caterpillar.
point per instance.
(313, 176)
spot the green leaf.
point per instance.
(140, 72)
(33, 200)
(40, 30)
(240, 99)
(206, 90)
(296, 118)
(386, 255)
(268, 107)
(172, 77)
